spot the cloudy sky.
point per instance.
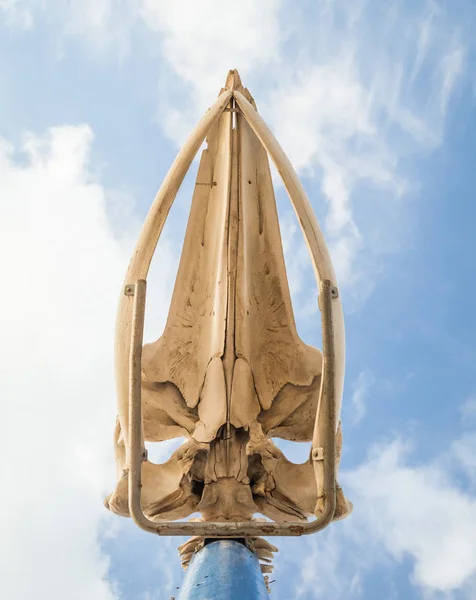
(374, 103)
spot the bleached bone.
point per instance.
(144, 250)
(230, 371)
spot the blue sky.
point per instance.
(374, 103)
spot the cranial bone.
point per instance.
(229, 371)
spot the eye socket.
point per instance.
(197, 487)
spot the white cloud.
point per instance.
(417, 511)
(367, 89)
(105, 24)
(297, 269)
(333, 563)
(327, 111)
(351, 93)
(468, 409)
(62, 270)
(463, 450)
(346, 105)
(360, 391)
(403, 511)
(197, 43)
(201, 42)
(15, 13)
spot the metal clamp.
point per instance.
(317, 453)
(334, 291)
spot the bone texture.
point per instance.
(229, 373)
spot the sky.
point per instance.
(375, 105)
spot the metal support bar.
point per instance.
(324, 435)
(325, 425)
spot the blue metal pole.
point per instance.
(224, 570)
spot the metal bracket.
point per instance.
(334, 293)
(317, 453)
(129, 289)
